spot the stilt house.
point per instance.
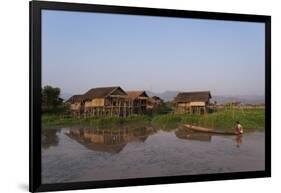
(192, 102)
(107, 101)
(138, 100)
(154, 102)
(76, 104)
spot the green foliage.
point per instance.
(56, 120)
(251, 119)
(166, 122)
(51, 101)
(168, 118)
(224, 120)
(163, 108)
(113, 122)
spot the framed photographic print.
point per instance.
(125, 96)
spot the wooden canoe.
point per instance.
(206, 130)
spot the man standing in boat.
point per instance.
(238, 128)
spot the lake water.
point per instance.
(83, 154)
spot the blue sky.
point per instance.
(85, 50)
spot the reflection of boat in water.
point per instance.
(106, 140)
(183, 133)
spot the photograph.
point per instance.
(137, 96)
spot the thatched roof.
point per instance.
(136, 94)
(75, 98)
(157, 98)
(102, 92)
(193, 96)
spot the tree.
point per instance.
(50, 98)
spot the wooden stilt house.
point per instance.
(76, 104)
(154, 102)
(107, 101)
(192, 102)
(138, 100)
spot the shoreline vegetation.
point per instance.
(222, 120)
(163, 115)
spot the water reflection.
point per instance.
(114, 140)
(88, 154)
(49, 138)
(183, 133)
(108, 140)
(190, 135)
(238, 140)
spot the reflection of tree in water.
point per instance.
(49, 138)
(183, 133)
(106, 140)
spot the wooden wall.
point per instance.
(99, 102)
(75, 106)
(197, 103)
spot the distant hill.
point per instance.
(246, 99)
(166, 96)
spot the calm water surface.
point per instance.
(84, 154)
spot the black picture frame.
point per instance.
(36, 7)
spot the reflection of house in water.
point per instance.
(111, 141)
(184, 133)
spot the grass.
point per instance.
(57, 121)
(224, 120)
(166, 122)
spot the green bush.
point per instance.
(224, 119)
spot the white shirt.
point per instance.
(239, 126)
